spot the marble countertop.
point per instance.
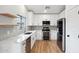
(23, 37)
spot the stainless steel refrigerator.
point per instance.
(61, 34)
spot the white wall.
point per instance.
(14, 9)
(70, 7)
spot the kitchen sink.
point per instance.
(28, 33)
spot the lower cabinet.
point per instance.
(53, 34)
(28, 45)
(30, 42)
(33, 39)
(39, 35)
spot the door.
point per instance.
(72, 31)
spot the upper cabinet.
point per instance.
(30, 18)
(39, 18)
(53, 20)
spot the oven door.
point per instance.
(46, 35)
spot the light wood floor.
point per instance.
(43, 46)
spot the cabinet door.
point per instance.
(72, 29)
(28, 45)
(37, 20)
(53, 34)
(32, 40)
(53, 20)
(30, 18)
(39, 35)
(40, 22)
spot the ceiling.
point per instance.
(52, 9)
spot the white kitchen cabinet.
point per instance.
(30, 19)
(37, 20)
(40, 22)
(33, 39)
(53, 35)
(39, 35)
(53, 20)
(72, 30)
(53, 23)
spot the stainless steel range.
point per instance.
(46, 30)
